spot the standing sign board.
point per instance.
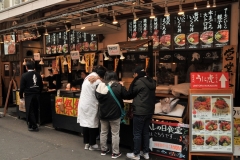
(236, 129)
(209, 80)
(169, 140)
(211, 122)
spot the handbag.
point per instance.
(115, 98)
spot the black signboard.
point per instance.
(79, 40)
(48, 44)
(169, 139)
(93, 42)
(53, 43)
(59, 37)
(65, 42)
(72, 40)
(165, 32)
(208, 28)
(179, 35)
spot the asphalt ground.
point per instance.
(17, 143)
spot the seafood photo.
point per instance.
(198, 125)
(211, 141)
(222, 36)
(165, 40)
(224, 140)
(180, 39)
(207, 37)
(193, 38)
(202, 103)
(221, 105)
(225, 125)
(211, 125)
(198, 140)
(236, 130)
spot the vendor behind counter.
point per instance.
(51, 80)
(80, 76)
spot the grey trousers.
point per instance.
(115, 128)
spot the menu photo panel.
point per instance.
(179, 35)
(211, 123)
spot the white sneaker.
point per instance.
(133, 156)
(86, 146)
(94, 147)
(144, 155)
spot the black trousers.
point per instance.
(90, 135)
(32, 105)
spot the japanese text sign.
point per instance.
(209, 80)
(113, 49)
(74, 55)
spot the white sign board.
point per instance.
(113, 49)
(36, 56)
(74, 55)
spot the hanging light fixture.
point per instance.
(166, 10)
(152, 16)
(195, 6)
(105, 56)
(208, 4)
(38, 35)
(114, 19)
(214, 3)
(41, 62)
(67, 29)
(65, 62)
(121, 56)
(99, 21)
(82, 60)
(24, 62)
(1, 39)
(135, 18)
(180, 12)
(46, 32)
(81, 24)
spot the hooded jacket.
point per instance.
(144, 96)
(108, 107)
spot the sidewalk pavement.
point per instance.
(17, 143)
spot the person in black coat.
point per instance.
(31, 85)
(142, 90)
(110, 112)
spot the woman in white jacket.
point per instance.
(88, 109)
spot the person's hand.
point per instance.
(93, 79)
(21, 100)
(121, 82)
(54, 82)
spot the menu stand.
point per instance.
(218, 116)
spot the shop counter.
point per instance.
(64, 110)
(45, 112)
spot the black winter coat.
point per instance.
(108, 107)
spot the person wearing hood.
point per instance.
(142, 90)
(110, 112)
(88, 108)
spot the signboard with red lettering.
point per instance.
(169, 140)
(209, 80)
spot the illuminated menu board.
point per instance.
(198, 29)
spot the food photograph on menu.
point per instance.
(236, 130)
(224, 140)
(198, 140)
(220, 105)
(222, 36)
(225, 125)
(211, 140)
(180, 39)
(211, 125)
(65, 48)
(202, 103)
(198, 125)
(165, 40)
(193, 38)
(207, 37)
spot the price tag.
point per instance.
(74, 55)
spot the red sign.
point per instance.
(209, 80)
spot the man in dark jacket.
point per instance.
(142, 90)
(31, 85)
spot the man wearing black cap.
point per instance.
(31, 85)
(142, 90)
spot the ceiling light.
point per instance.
(180, 12)
(135, 18)
(166, 10)
(208, 4)
(114, 19)
(41, 62)
(195, 6)
(24, 62)
(81, 24)
(99, 21)
(46, 32)
(214, 3)
(134, 2)
(67, 29)
(38, 35)
(152, 16)
(1, 39)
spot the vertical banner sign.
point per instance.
(65, 42)
(179, 32)
(206, 36)
(192, 26)
(170, 140)
(165, 32)
(229, 64)
(53, 44)
(236, 129)
(72, 41)
(48, 44)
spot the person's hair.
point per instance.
(100, 70)
(30, 65)
(110, 76)
(50, 70)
